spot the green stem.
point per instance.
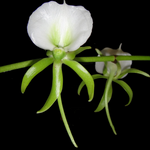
(95, 59)
(18, 65)
(65, 121)
(79, 59)
(133, 58)
(111, 58)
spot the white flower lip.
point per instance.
(59, 25)
(99, 66)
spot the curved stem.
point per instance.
(65, 121)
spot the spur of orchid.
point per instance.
(61, 30)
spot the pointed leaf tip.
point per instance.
(33, 71)
(101, 105)
(83, 74)
(65, 121)
(57, 84)
(127, 88)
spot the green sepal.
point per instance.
(33, 71)
(84, 75)
(98, 52)
(132, 70)
(106, 94)
(101, 105)
(49, 53)
(57, 84)
(98, 76)
(81, 49)
(18, 65)
(72, 54)
(65, 121)
(127, 88)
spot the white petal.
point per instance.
(99, 66)
(81, 23)
(54, 25)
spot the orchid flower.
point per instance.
(60, 29)
(112, 71)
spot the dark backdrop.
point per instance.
(114, 23)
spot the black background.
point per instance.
(114, 23)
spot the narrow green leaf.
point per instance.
(65, 121)
(127, 88)
(18, 65)
(101, 105)
(57, 84)
(33, 71)
(84, 74)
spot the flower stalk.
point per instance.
(112, 58)
(29, 63)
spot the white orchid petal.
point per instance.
(60, 25)
(99, 66)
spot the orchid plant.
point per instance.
(61, 30)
